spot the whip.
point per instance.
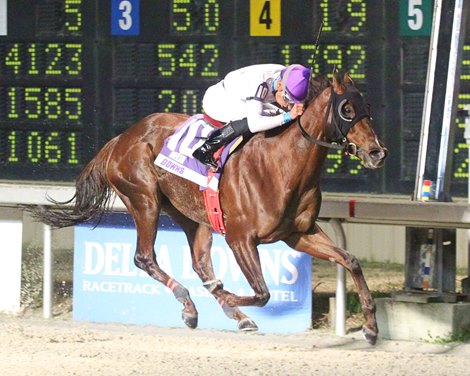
(317, 41)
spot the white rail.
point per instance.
(355, 208)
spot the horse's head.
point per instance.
(351, 123)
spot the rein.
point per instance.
(313, 140)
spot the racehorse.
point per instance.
(269, 191)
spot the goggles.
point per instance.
(285, 97)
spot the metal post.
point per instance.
(47, 273)
(437, 134)
(440, 100)
(467, 138)
(448, 119)
(428, 99)
(340, 280)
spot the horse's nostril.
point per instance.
(377, 153)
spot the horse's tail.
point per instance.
(91, 199)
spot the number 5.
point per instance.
(415, 14)
(125, 23)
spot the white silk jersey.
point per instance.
(247, 92)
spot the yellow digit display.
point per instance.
(12, 59)
(12, 156)
(176, 60)
(73, 15)
(355, 13)
(37, 60)
(460, 158)
(351, 57)
(189, 17)
(38, 147)
(211, 16)
(44, 103)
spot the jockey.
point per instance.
(252, 99)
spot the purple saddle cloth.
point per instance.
(176, 154)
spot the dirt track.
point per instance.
(34, 346)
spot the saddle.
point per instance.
(176, 157)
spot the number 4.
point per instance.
(265, 16)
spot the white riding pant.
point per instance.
(221, 106)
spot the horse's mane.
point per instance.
(316, 86)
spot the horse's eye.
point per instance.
(346, 110)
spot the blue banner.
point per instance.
(109, 288)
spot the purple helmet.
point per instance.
(295, 79)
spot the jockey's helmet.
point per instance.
(295, 79)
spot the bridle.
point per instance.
(340, 123)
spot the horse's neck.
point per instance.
(309, 155)
(299, 161)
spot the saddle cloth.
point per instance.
(176, 157)
(176, 154)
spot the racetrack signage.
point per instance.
(109, 288)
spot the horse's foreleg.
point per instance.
(200, 241)
(202, 265)
(246, 255)
(319, 245)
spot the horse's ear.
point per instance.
(337, 86)
(347, 79)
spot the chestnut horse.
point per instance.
(270, 191)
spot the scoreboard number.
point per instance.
(415, 17)
(265, 18)
(125, 17)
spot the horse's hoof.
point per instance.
(247, 325)
(369, 335)
(190, 320)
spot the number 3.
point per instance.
(415, 22)
(125, 23)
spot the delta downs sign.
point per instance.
(109, 288)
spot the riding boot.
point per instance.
(219, 138)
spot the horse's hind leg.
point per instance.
(139, 192)
(319, 245)
(200, 241)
